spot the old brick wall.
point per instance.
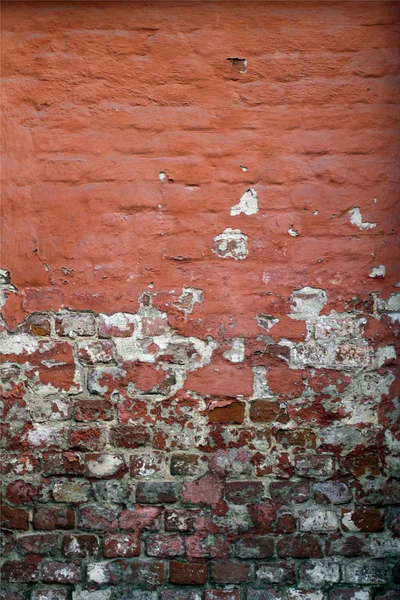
(200, 301)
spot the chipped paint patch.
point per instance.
(379, 271)
(231, 243)
(266, 321)
(248, 204)
(356, 219)
(307, 303)
(236, 353)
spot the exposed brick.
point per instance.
(230, 572)
(147, 465)
(141, 517)
(366, 572)
(53, 518)
(61, 572)
(87, 438)
(299, 546)
(244, 492)
(268, 594)
(96, 352)
(93, 410)
(363, 519)
(205, 490)
(349, 594)
(278, 572)
(125, 436)
(182, 573)
(14, 518)
(80, 545)
(15, 571)
(222, 595)
(232, 413)
(75, 324)
(165, 546)
(181, 519)
(267, 411)
(180, 595)
(335, 492)
(42, 544)
(66, 463)
(318, 573)
(184, 464)
(147, 575)
(254, 546)
(157, 493)
(289, 491)
(314, 465)
(116, 325)
(49, 594)
(121, 545)
(37, 324)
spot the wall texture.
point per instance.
(200, 301)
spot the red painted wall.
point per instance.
(269, 329)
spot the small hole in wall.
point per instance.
(239, 64)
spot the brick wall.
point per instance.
(200, 301)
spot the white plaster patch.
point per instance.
(384, 354)
(379, 271)
(96, 573)
(231, 243)
(236, 353)
(318, 573)
(356, 219)
(248, 204)
(44, 435)
(318, 519)
(307, 303)
(260, 385)
(18, 343)
(162, 176)
(106, 465)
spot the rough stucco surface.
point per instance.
(200, 301)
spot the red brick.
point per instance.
(230, 572)
(233, 413)
(93, 410)
(14, 518)
(126, 436)
(362, 519)
(87, 438)
(80, 545)
(165, 546)
(222, 595)
(61, 572)
(22, 492)
(15, 571)
(205, 490)
(121, 545)
(48, 518)
(41, 544)
(299, 546)
(187, 573)
(244, 492)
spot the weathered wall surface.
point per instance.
(200, 301)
